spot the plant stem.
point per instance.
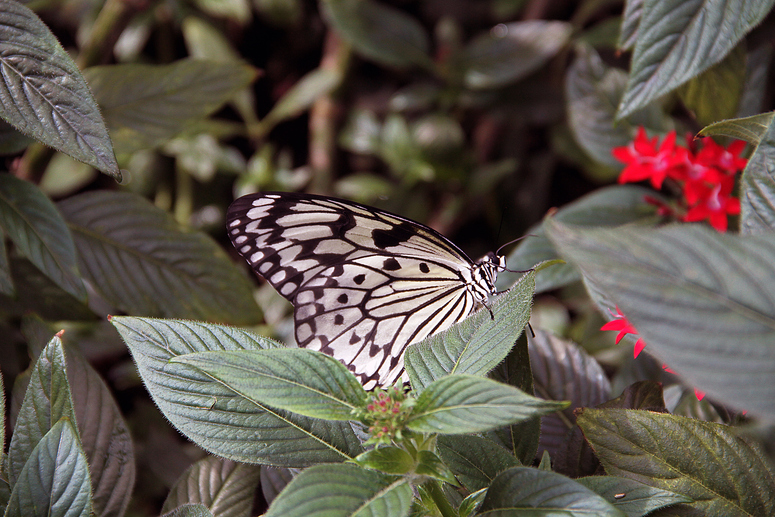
(437, 494)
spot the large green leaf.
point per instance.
(474, 460)
(757, 187)
(477, 344)
(511, 51)
(608, 206)
(458, 404)
(342, 491)
(142, 262)
(751, 129)
(43, 94)
(306, 382)
(226, 488)
(674, 44)
(46, 401)
(146, 105)
(593, 91)
(202, 408)
(715, 94)
(709, 463)
(105, 438)
(702, 301)
(633, 498)
(534, 492)
(379, 32)
(54, 481)
(34, 225)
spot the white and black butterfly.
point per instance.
(364, 283)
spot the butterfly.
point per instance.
(364, 283)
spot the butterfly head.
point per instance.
(485, 272)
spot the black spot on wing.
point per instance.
(393, 237)
(391, 264)
(424, 267)
(359, 279)
(338, 319)
(342, 298)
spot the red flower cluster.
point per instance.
(706, 176)
(624, 327)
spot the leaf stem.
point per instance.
(437, 494)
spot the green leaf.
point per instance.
(6, 277)
(146, 105)
(474, 460)
(388, 459)
(608, 206)
(562, 370)
(226, 488)
(105, 438)
(190, 510)
(379, 32)
(301, 96)
(751, 129)
(715, 94)
(709, 463)
(521, 439)
(757, 187)
(700, 299)
(302, 381)
(200, 407)
(43, 94)
(458, 404)
(54, 481)
(37, 229)
(633, 9)
(541, 493)
(510, 52)
(46, 401)
(35, 292)
(477, 344)
(142, 262)
(673, 45)
(593, 91)
(342, 491)
(430, 465)
(471, 503)
(633, 498)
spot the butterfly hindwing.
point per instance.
(364, 283)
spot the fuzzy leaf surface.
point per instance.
(55, 479)
(530, 491)
(342, 491)
(226, 488)
(459, 404)
(722, 473)
(146, 105)
(43, 93)
(37, 229)
(673, 46)
(143, 263)
(302, 381)
(702, 301)
(202, 408)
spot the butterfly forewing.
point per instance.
(364, 283)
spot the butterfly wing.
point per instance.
(364, 283)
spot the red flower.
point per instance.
(714, 204)
(725, 159)
(624, 327)
(645, 161)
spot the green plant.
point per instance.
(463, 130)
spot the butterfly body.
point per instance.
(364, 283)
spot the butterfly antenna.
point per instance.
(498, 251)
